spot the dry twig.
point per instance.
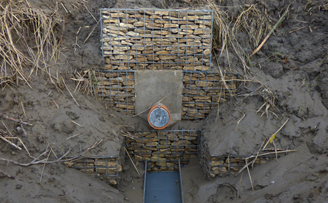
(36, 160)
(51, 149)
(274, 134)
(5, 175)
(12, 144)
(239, 122)
(93, 146)
(258, 152)
(16, 120)
(264, 154)
(149, 107)
(249, 175)
(55, 104)
(127, 134)
(91, 32)
(6, 128)
(90, 13)
(282, 18)
(76, 123)
(64, 8)
(44, 165)
(132, 161)
(70, 92)
(297, 29)
(74, 136)
(20, 140)
(23, 109)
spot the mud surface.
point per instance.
(290, 68)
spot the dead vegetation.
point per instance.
(269, 98)
(324, 7)
(86, 81)
(29, 42)
(315, 6)
(249, 161)
(252, 19)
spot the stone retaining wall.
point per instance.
(202, 92)
(156, 39)
(162, 149)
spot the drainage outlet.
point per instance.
(159, 117)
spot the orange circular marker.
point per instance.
(159, 117)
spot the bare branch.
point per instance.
(13, 119)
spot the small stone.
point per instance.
(52, 179)
(207, 51)
(18, 186)
(274, 69)
(132, 33)
(72, 115)
(19, 130)
(40, 138)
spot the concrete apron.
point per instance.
(153, 85)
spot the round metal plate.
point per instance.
(159, 117)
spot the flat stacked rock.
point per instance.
(156, 39)
(106, 168)
(224, 165)
(116, 89)
(203, 91)
(162, 149)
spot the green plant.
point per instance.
(249, 61)
(94, 80)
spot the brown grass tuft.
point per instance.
(28, 42)
(252, 19)
(254, 22)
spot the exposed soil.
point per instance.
(291, 66)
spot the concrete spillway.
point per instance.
(164, 186)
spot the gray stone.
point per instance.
(72, 115)
(18, 186)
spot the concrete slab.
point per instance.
(153, 85)
(163, 187)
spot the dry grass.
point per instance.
(255, 22)
(316, 5)
(28, 42)
(86, 81)
(262, 90)
(252, 19)
(324, 7)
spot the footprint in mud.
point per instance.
(62, 123)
